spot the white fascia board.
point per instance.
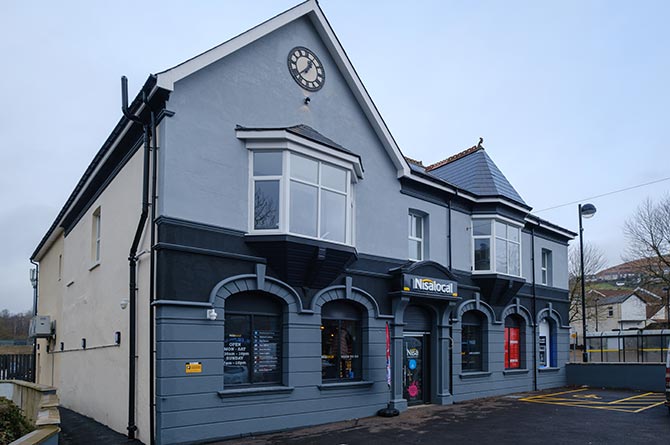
(166, 79)
(55, 234)
(342, 61)
(283, 139)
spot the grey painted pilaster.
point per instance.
(397, 332)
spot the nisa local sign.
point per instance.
(446, 288)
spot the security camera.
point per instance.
(124, 303)
(211, 314)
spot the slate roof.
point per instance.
(474, 171)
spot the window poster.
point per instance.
(252, 349)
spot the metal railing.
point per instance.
(16, 367)
(635, 346)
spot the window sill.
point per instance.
(516, 371)
(93, 266)
(548, 369)
(474, 374)
(345, 385)
(261, 390)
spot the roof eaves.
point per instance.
(118, 131)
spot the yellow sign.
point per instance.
(193, 367)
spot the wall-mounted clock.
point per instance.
(306, 68)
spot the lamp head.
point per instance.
(588, 210)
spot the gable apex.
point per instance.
(310, 9)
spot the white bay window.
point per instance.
(496, 246)
(301, 191)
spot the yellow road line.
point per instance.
(631, 398)
(626, 405)
(650, 406)
(554, 394)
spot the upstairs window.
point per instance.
(494, 239)
(301, 195)
(416, 237)
(547, 278)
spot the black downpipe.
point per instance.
(132, 259)
(152, 402)
(33, 368)
(532, 262)
(451, 334)
(449, 231)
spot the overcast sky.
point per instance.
(571, 97)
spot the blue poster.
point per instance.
(412, 364)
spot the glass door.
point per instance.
(415, 368)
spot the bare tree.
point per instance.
(594, 261)
(648, 234)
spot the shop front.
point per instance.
(423, 296)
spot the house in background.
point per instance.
(621, 309)
(249, 237)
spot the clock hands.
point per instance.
(309, 67)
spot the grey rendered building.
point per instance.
(288, 233)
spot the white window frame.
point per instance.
(318, 153)
(492, 243)
(546, 267)
(422, 239)
(96, 236)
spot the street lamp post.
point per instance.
(597, 300)
(667, 306)
(586, 211)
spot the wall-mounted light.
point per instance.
(307, 100)
(62, 346)
(211, 314)
(117, 338)
(83, 343)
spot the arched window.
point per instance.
(547, 344)
(472, 342)
(515, 345)
(253, 340)
(341, 341)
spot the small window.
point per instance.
(416, 237)
(610, 312)
(95, 236)
(472, 342)
(341, 342)
(60, 267)
(253, 340)
(547, 272)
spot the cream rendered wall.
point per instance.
(50, 303)
(94, 382)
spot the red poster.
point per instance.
(514, 348)
(512, 353)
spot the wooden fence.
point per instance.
(16, 367)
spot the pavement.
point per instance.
(557, 416)
(77, 429)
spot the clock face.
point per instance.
(306, 68)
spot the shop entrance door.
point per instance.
(416, 368)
